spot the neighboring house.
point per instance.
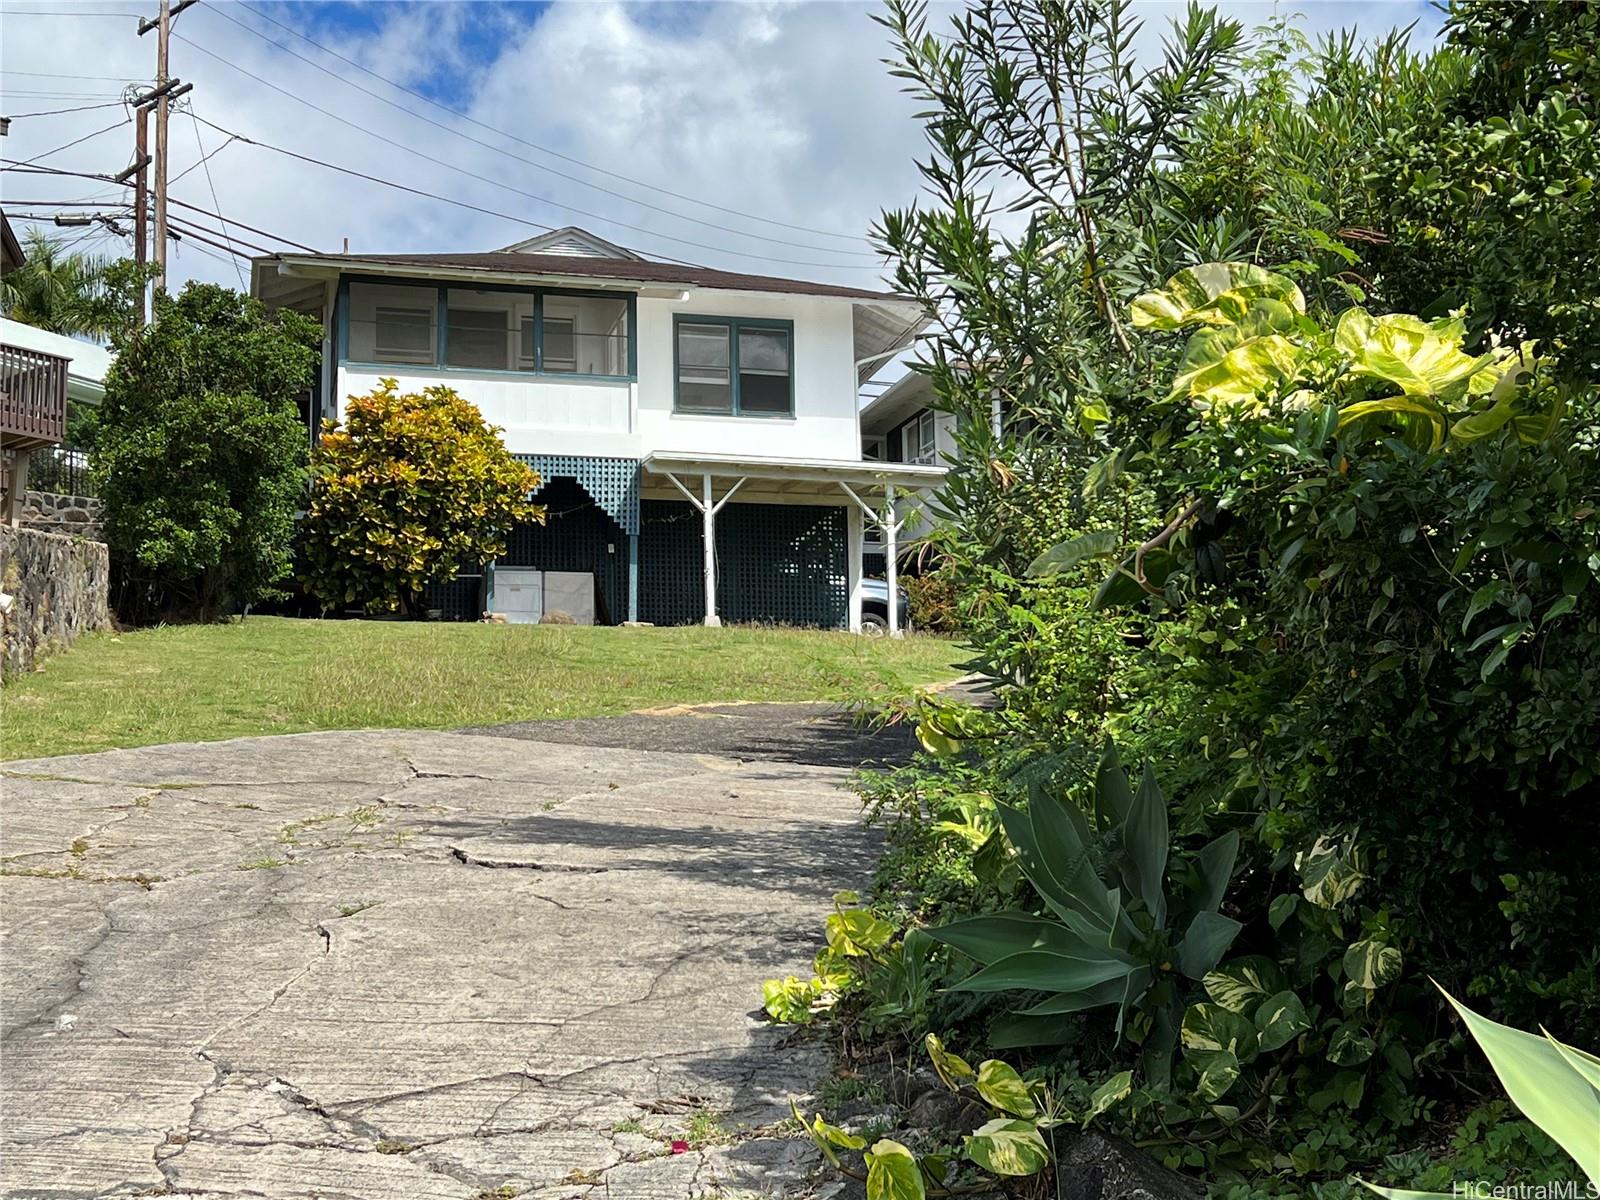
(899, 426)
(11, 255)
(698, 430)
(40, 374)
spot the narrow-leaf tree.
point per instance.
(409, 489)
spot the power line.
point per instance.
(28, 161)
(207, 158)
(734, 212)
(54, 112)
(204, 162)
(530, 162)
(412, 150)
(173, 200)
(59, 75)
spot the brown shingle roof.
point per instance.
(634, 271)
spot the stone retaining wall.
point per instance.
(55, 588)
(52, 512)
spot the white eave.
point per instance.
(859, 473)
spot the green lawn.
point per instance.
(276, 675)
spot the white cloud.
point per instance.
(782, 110)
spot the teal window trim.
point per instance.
(733, 325)
(440, 365)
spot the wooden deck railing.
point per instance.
(33, 398)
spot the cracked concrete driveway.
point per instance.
(404, 964)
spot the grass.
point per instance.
(269, 675)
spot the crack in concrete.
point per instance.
(462, 856)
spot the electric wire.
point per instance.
(734, 212)
(530, 162)
(217, 204)
(55, 112)
(75, 141)
(412, 150)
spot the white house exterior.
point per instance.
(698, 430)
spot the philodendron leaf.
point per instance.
(1349, 1046)
(1330, 873)
(1279, 1020)
(1219, 1070)
(1227, 368)
(1066, 555)
(893, 1174)
(1540, 1077)
(1216, 293)
(951, 1068)
(1003, 1088)
(1418, 358)
(1239, 986)
(1107, 1094)
(1209, 1026)
(1371, 963)
(826, 1136)
(855, 932)
(1007, 1147)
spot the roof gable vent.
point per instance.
(573, 243)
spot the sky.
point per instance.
(748, 136)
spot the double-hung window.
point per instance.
(731, 366)
(920, 443)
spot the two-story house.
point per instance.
(697, 430)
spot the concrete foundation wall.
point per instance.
(55, 588)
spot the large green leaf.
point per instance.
(1239, 986)
(1120, 587)
(1205, 942)
(1007, 1147)
(951, 1068)
(1330, 872)
(1065, 555)
(1216, 293)
(998, 935)
(1113, 797)
(1542, 1081)
(1107, 1094)
(1003, 1088)
(1371, 963)
(856, 932)
(1418, 358)
(1228, 368)
(1045, 971)
(1146, 841)
(1349, 1046)
(1219, 1070)
(1280, 1018)
(893, 1174)
(1113, 991)
(1086, 898)
(1214, 864)
(1208, 1026)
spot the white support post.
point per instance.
(709, 512)
(891, 563)
(855, 565)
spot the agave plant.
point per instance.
(1112, 937)
(1556, 1086)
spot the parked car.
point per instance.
(875, 608)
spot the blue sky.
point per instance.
(753, 136)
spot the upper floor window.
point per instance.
(490, 329)
(734, 366)
(920, 443)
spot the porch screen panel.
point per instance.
(393, 323)
(671, 585)
(489, 330)
(585, 335)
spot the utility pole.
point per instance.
(141, 192)
(163, 107)
(163, 96)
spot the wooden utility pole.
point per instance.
(141, 192)
(163, 108)
(163, 95)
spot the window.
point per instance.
(735, 367)
(920, 444)
(872, 447)
(489, 329)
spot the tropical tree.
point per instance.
(200, 452)
(410, 488)
(56, 289)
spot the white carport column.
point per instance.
(855, 564)
(890, 524)
(708, 514)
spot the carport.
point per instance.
(873, 494)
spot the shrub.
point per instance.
(200, 452)
(934, 597)
(410, 488)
